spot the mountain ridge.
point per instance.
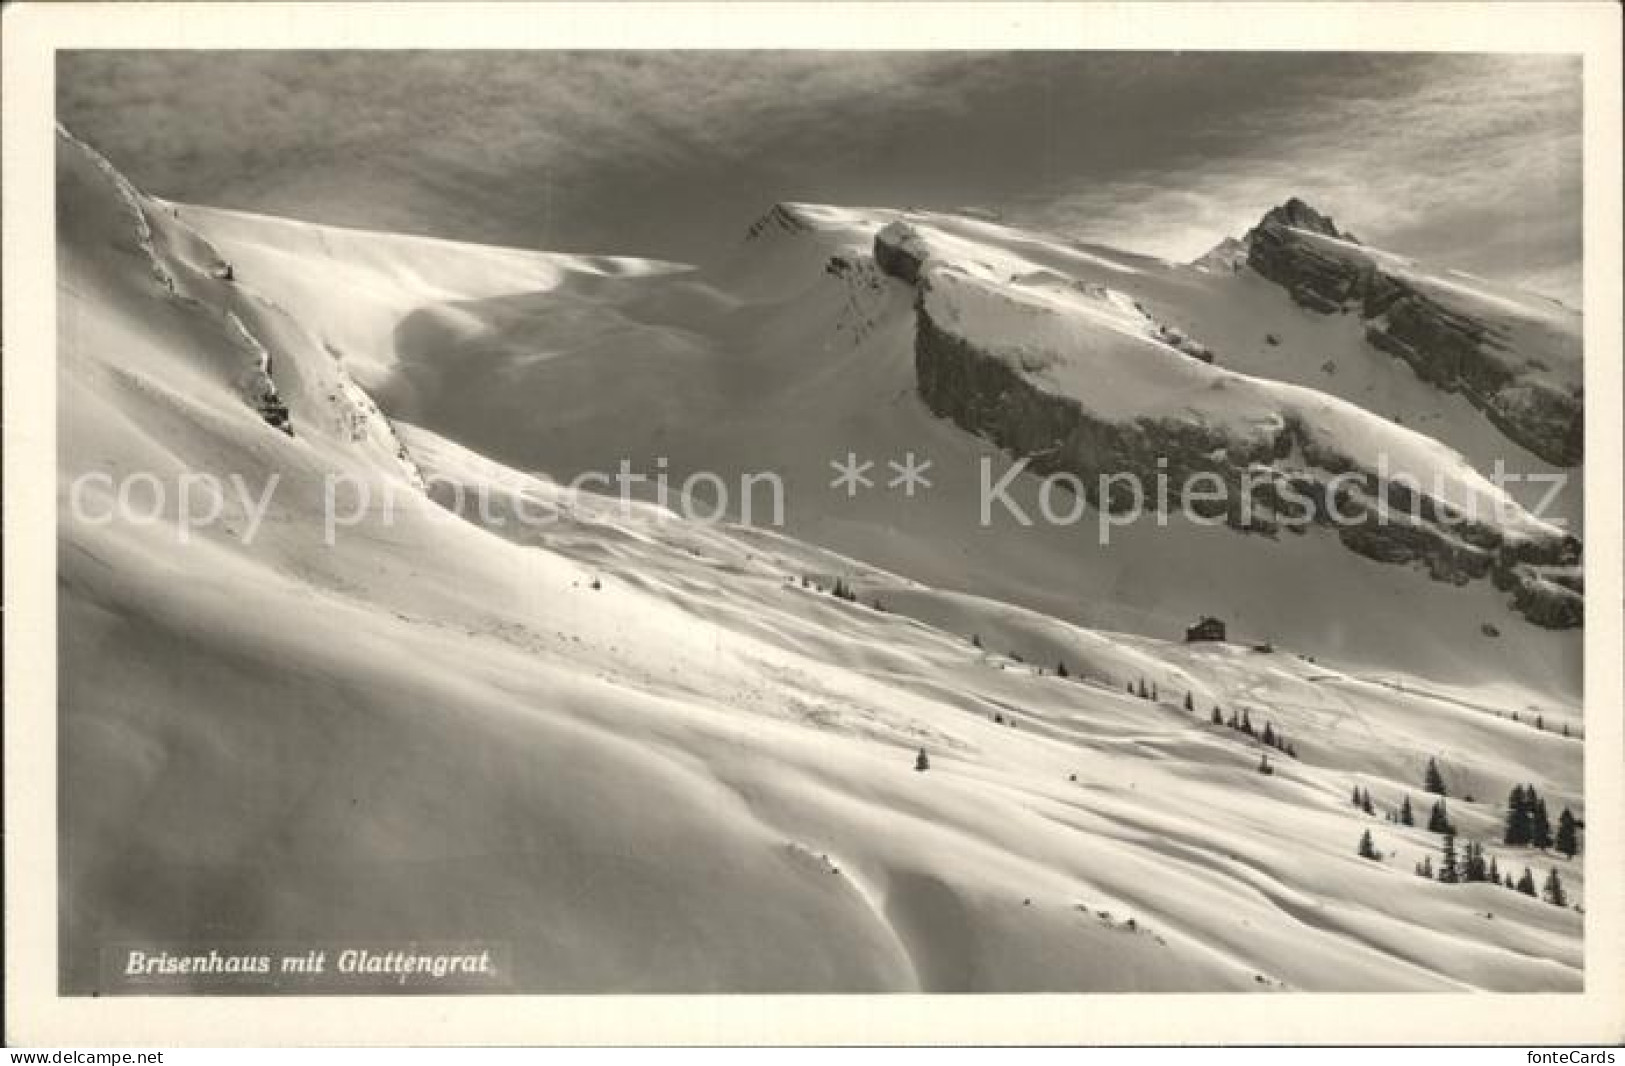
(1066, 427)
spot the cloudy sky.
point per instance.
(1468, 161)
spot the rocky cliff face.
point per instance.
(1275, 481)
(1451, 349)
(1299, 215)
(987, 395)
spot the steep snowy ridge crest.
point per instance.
(193, 274)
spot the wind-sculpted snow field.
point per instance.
(647, 753)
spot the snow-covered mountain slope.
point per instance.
(798, 350)
(1080, 378)
(135, 283)
(383, 277)
(644, 753)
(1514, 356)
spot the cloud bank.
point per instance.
(1469, 161)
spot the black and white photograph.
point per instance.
(783, 521)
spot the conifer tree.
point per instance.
(1190, 704)
(1518, 829)
(1405, 815)
(1356, 797)
(921, 762)
(1060, 669)
(1269, 734)
(1439, 819)
(1540, 834)
(1425, 868)
(1433, 781)
(1246, 722)
(1526, 883)
(1449, 870)
(1494, 872)
(1368, 850)
(1218, 719)
(1568, 837)
(1553, 892)
(1264, 766)
(1475, 869)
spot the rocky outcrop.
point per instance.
(779, 218)
(1448, 350)
(256, 384)
(900, 251)
(865, 295)
(1273, 480)
(1547, 603)
(1318, 281)
(1179, 341)
(1299, 215)
(1452, 350)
